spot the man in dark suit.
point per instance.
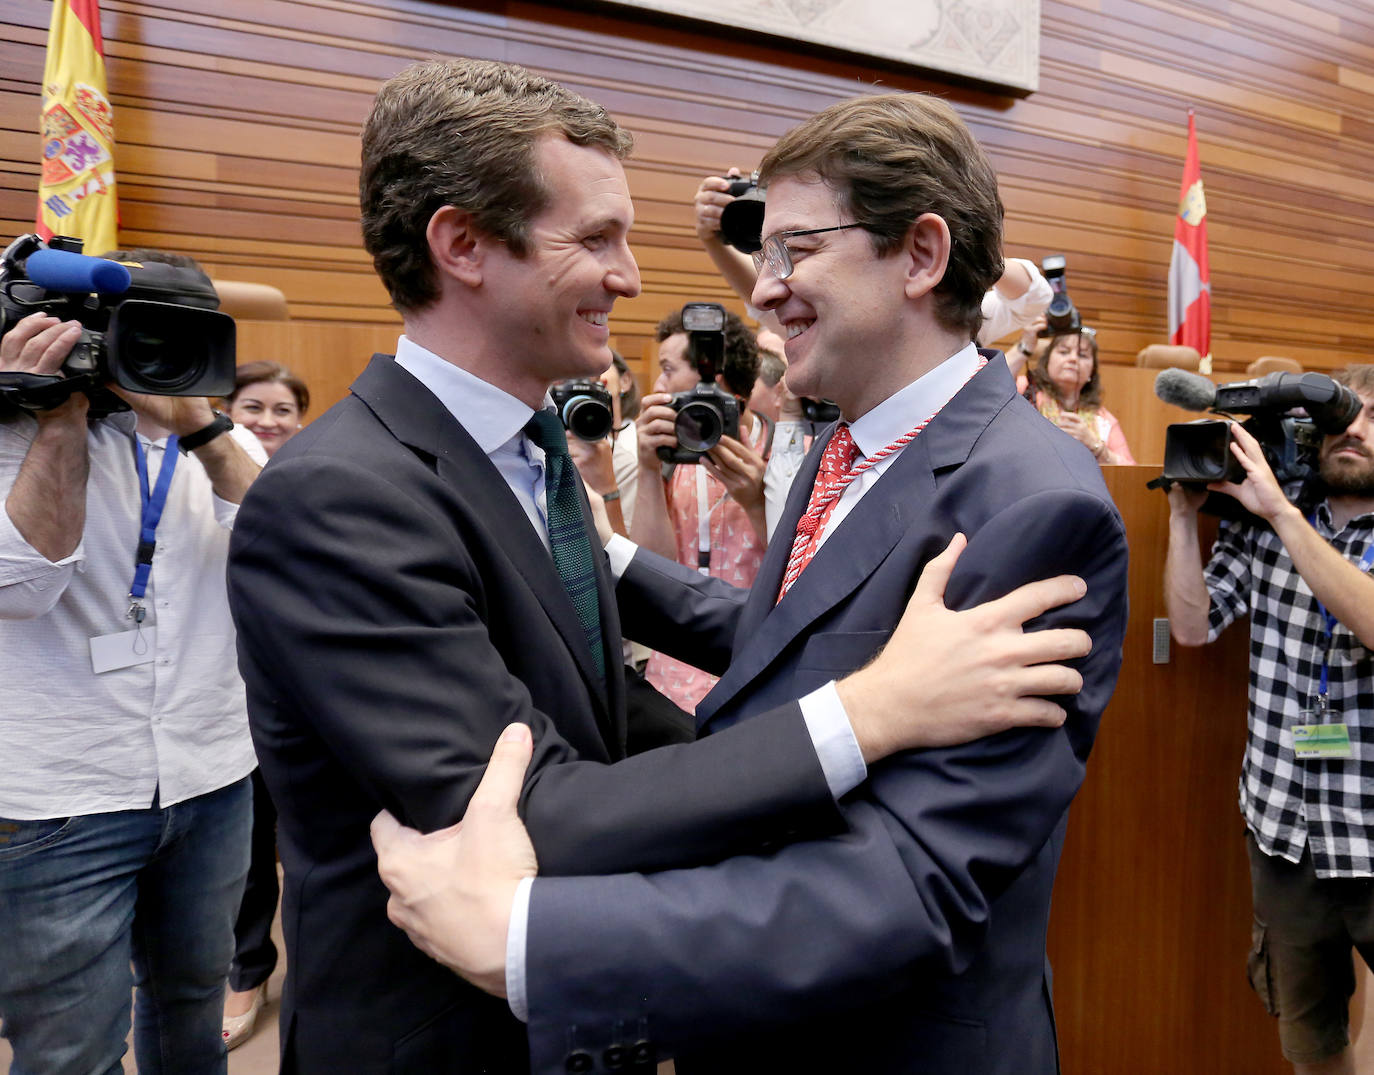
(408, 579)
(915, 939)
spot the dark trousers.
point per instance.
(255, 956)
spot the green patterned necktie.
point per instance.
(572, 551)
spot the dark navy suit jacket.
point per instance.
(914, 941)
(395, 610)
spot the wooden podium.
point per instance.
(1151, 919)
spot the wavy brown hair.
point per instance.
(462, 133)
(892, 157)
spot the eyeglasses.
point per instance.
(778, 258)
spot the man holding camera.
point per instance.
(414, 572)
(914, 939)
(125, 804)
(1303, 575)
(709, 512)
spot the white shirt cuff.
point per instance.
(836, 746)
(515, 951)
(620, 551)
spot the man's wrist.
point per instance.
(858, 706)
(1288, 514)
(217, 426)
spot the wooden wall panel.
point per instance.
(238, 123)
(1151, 919)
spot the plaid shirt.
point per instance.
(1327, 805)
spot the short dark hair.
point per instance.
(892, 157)
(262, 372)
(629, 387)
(741, 350)
(158, 257)
(462, 132)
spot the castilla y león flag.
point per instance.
(76, 193)
(1190, 281)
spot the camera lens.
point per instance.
(699, 425)
(171, 350)
(587, 418)
(150, 358)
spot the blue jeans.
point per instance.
(83, 897)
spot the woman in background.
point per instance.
(1065, 388)
(270, 401)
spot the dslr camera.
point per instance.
(585, 407)
(150, 328)
(706, 412)
(741, 222)
(1061, 315)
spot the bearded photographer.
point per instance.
(1303, 575)
(125, 805)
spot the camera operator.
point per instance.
(1303, 577)
(125, 806)
(708, 516)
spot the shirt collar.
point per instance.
(908, 407)
(1364, 520)
(491, 416)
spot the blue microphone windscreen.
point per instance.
(59, 270)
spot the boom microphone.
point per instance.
(59, 270)
(1187, 390)
(1331, 406)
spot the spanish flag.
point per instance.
(1190, 279)
(76, 194)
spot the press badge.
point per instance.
(1315, 741)
(123, 649)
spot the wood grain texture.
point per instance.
(237, 127)
(1151, 919)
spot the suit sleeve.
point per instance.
(933, 838)
(374, 622)
(678, 611)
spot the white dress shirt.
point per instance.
(1003, 316)
(77, 742)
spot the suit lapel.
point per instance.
(863, 539)
(415, 417)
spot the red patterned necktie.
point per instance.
(835, 473)
(838, 469)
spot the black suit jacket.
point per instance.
(915, 941)
(395, 610)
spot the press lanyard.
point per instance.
(153, 503)
(1329, 621)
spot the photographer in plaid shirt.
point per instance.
(1307, 781)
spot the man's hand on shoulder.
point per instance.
(452, 890)
(948, 677)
